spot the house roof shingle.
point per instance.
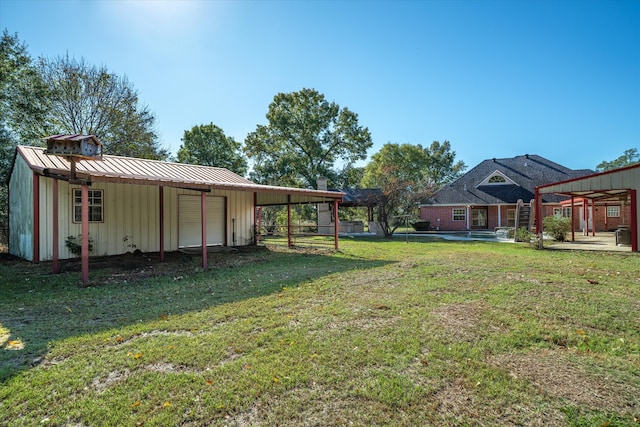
(527, 172)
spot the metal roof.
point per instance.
(154, 172)
(610, 184)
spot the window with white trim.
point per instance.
(96, 198)
(566, 212)
(613, 211)
(459, 214)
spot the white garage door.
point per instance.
(189, 229)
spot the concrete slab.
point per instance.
(602, 241)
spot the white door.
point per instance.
(589, 220)
(189, 226)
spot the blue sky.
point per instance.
(560, 79)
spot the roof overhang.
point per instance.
(179, 176)
(608, 185)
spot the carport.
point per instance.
(617, 184)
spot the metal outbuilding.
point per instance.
(618, 184)
(127, 204)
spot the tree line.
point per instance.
(306, 136)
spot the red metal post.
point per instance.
(593, 218)
(336, 226)
(289, 240)
(585, 215)
(85, 234)
(36, 218)
(161, 207)
(203, 220)
(55, 226)
(255, 218)
(634, 221)
(538, 213)
(573, 226)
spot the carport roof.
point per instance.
(610, 184)
(129, 170)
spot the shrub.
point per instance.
(74, 244)
(557, 227)
(522, 235)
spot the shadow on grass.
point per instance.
(38, 308)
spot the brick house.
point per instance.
(486, 197)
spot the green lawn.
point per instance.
(379, 333)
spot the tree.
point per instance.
(208, 145)
(19, 87)
(630, 157)
(407, 174)
(76, 97)
(305, 138)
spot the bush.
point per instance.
(522, 235)
(74, 244)
(557, 227)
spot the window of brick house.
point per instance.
(613, 211)
(459, 214)
(511, 217)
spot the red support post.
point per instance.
(85, 234)
(55, 233)
(593, 218)
(573, 226)
(336, 222)
(634, 221)
(289, 241)
(255, 218)
(161, 207)
(538, 213)
(203, 220)
(36, 218)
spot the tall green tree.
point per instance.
(71, 96)
(407, 174)
(208, 145)
(628, 158)
(307, 137)
(19, 88)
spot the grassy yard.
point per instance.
(379, 333)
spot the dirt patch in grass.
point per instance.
(558, 375)
(137, 266)
(461, 322)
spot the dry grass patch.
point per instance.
(561, 374)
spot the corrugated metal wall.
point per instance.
(131, 218)
(21, 210)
